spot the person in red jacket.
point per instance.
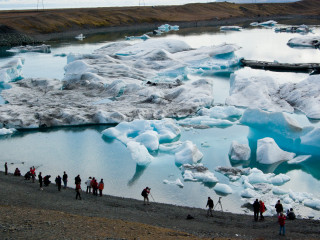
(145, 194)
(101, 187)
(78, 190)
(262, 209)
(282, 221)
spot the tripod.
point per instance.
(219, 202)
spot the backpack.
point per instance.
(143, 193)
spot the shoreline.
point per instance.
(48, 210)
(29, 26)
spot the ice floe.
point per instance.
(175, 182)
(305, 41)
(12, 71)
(28, 48)
(223, 188)
(139, 153)
(268, 152)
(239, 152)
(6, 131)
(197, 173)
(299, 159)
(230, 28)
(188, 153)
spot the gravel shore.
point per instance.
(26, 212)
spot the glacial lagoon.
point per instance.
(83, 150)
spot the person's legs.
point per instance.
(87, 189)
(100, 192)
(283, 230)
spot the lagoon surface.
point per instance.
(83, 150)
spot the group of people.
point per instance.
(259, 207)
(92, 184)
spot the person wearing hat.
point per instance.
(145, 193)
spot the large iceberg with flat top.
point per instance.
(268, 152)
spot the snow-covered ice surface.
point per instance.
(145, 80)
(12, 71)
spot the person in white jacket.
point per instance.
(88, 183)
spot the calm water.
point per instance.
(83, 150)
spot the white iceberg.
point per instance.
(175, 182)
(28, 48)
(80, 37)
(188, 153)
(257, 176)
(312, 203)
(239, 152)
(230, 28)
(223, 188)
(269, 23)
(139, 153)
(143, 37)
(12, 71)
(197, 173)
(204, 121)
(249, 193)
(312, 138)
(6, 131)
(268, 152)
(221, 112)
(279, 191)
(305, 41)
(280, 179)
(299, 159)
(300, 196)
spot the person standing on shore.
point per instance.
(77, 180)
(65, 180)
(262, 209)
(58, 182)
(145, 193)
(88, 183)
(256, 209)
(210, 207)
(94, 187)
(33, 173)
(279, 208)
(40, 180)
(78, 190)
(101, 187)
(6, 168)
(282, 221)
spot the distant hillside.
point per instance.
(56, 23)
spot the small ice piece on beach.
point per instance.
(139, 153)
(223, 188)
(230, 28)
(304, 41)
(280, 179)
(279, 191)
(175, 182)
(239, 152)
(312, 203)
(6, 131)
(12, 71)
(268, 152)
(197, 173)
(299, 159)
(188, 153)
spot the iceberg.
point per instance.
(139, 153)
(188, 153)
(239, 152)
(312, 203)
(230, 28)
(280, 179)
(249, 193)
(204, 121)
(223, 188)
(40, 48)
(176, 182)
(268, 23)
(197, 173)
(312, 138)
(143, 37)
(6, 131)
(299, 159)
(12, 71)
(279, 191)
(257, 176)
(221, 112)
(80, 37)
(299, 196)
(268, 152)
(305, 41)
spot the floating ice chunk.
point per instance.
(139, 153)
(312, 203)
(41, 48)
(143, 37)
(204, 121)
(222, 188)
(268, 152)
(257, 176)
(168, 27)
(305, 41)
(246, 184)
(299, 159)
(280, 179)
(188, 153)
(6, 131)
(75, 69)
(12, 71)
(256, 92)
(239, 151)
(249, 193)
(278, 122)
(279, 191)
(312, 138)
(230, 28)
(149, 139)
(108, 117)
(254, 24)
(304, 95)
(80, 37)
(197, 172)
(269, 23)
(176, 182)
(299, 196)
(221, 112)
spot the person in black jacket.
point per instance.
(210, 207)
(58, 182)
(40, 180)
(256, 209)
(65, 180)
(279, 208)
